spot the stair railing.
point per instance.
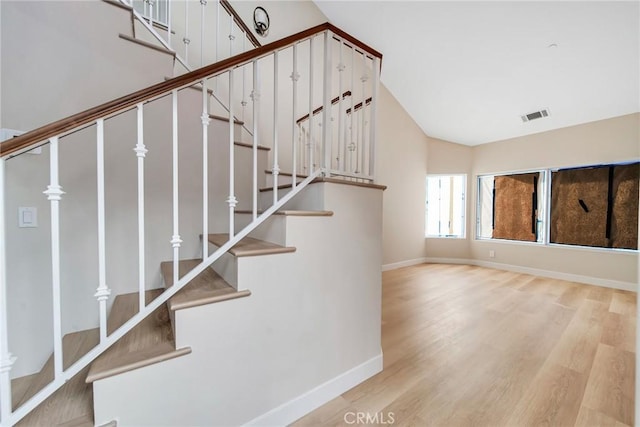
(293, 71)
(218, 22)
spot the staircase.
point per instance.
(272, 258)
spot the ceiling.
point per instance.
(467, 71)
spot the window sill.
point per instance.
(558, 246)
(447, 237)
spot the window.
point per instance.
(511, 206)
(445, 206)
(596, 206)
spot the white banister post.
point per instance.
(340, 67)
(6, 360)
(310, 141)
(141, 152)
(175, 238)
(186, 39)
(255, 97)
(294, 143)
(215, 79)
(103, 291)
(373, 120)
(54, 194)
(363, 79)
(326, 109)
(231, 200)
(203, 3)
(205, 171)
(151, 12)
(275, 171)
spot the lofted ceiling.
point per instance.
(467, 71)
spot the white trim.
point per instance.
(407, 263)
(434, 260)
(298, 407)
(588, 280)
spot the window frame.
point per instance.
(546, 174)
(463, 234)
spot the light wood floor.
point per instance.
(469, 346)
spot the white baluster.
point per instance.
(244, 80)
(141, 152)
(169, 26)
(310, 141)
(203, 4)
(102, 292)
(6, 360)
(352, 146)
(275, 171)
(54, 194)
(231, 200)
(363, 79)
(255, 97)
(175, 239)
(231, 36)
(326, 110)
(205, 172)
(373, 115)
(185, 39)
(215, 79)
(150, 12)
(341, 67)
(294, 82)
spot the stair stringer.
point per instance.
(309, 331)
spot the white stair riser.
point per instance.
(310, 199)
(227, 267)
(273, 229)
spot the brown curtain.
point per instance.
(514, 207)
(584, 202)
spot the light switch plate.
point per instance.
(27, 217)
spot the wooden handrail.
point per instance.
(87, 117)
(317, 110)
(247, 31)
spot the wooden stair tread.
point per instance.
(75, 398)
(226, 119)
(74, 346)
(290, 212)
(150, 341)
(206, 288)
(334, 181)
(248, 145)
(147, 44)
(298, 175)
(249, 246)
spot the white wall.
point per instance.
(309, 331)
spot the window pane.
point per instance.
(511, 206)
(445, 206)
(596, 206)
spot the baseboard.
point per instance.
(464, 261)
(588, 280)
(294, 409)
(407, 263)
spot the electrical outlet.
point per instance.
(492, 254)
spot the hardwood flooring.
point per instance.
(470, 346)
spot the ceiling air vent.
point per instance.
(535, 115)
